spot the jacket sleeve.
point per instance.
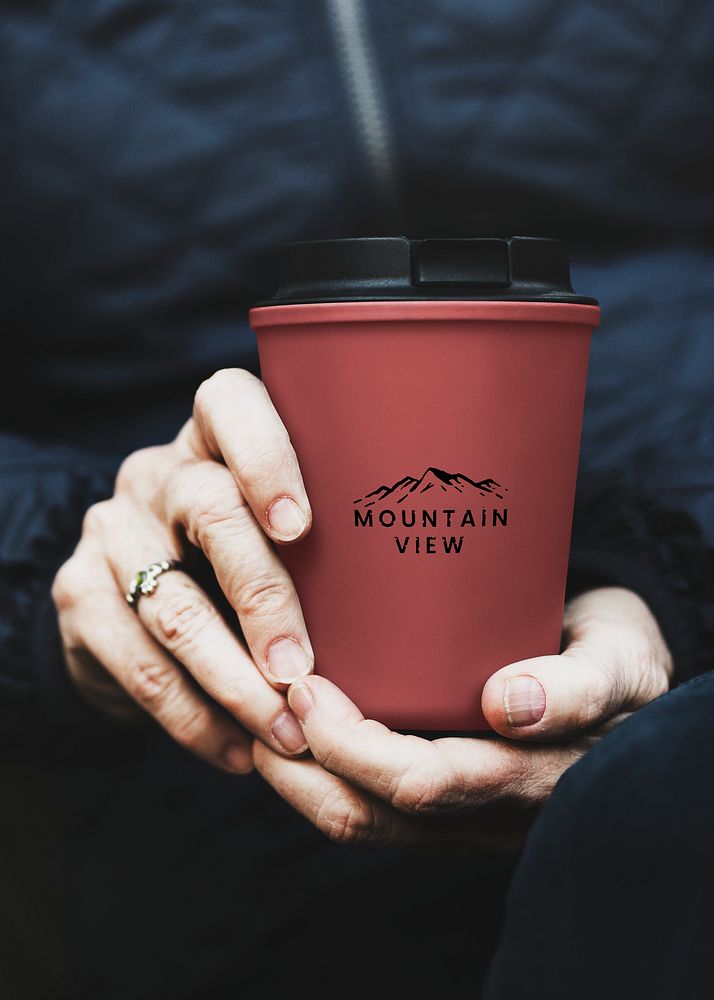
(44, 492)
(627, 539)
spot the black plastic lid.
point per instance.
(519, 268)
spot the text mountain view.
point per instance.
(434, 483)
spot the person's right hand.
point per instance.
(227, 485)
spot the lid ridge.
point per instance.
(383, 268)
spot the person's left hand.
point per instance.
(366, 783)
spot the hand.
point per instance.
(366, 783)
(228, 484)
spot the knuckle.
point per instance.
(134, 469)
(264, 460)
(216, 386)
(204, 398)
(343, 819)
(327, 756)
(182, 616)
(194, 480)
(150, 684)
(206, 392)
(241, 376)
(331, 753)
(424, 789)
(660, 682)
(595, 707)
(603, 689)
(263, 599)
(651, 667)
(97, 518)
(189, 728)
(651, 682)
(211, 513)
(596, 704)
(68, 584)
(513, 782)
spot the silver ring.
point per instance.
(147, 580)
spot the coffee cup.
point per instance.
(433, 391)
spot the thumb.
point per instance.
(549, 696)
(615, 660)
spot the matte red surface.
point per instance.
(373, 392)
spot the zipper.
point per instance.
(365, 93)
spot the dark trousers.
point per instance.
(614, 893)
(129, 870)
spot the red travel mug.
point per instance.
(433, 391)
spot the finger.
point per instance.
(241, 427)
(347, 815)
(415, 775)
(204, 499)
(98, 686)
(614, 662)
(340, 811)
(107, 628)
(182, 618)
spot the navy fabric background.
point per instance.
(157, 155)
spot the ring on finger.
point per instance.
(146, 580)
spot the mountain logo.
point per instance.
(426, 510)
(436, 480)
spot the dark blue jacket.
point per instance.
(156, 154)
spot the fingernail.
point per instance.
(300, 700)
(288, 732)
(287, 660)
(286, 519)
(237, 758)
(524, 701)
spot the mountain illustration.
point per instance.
(435, 480)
